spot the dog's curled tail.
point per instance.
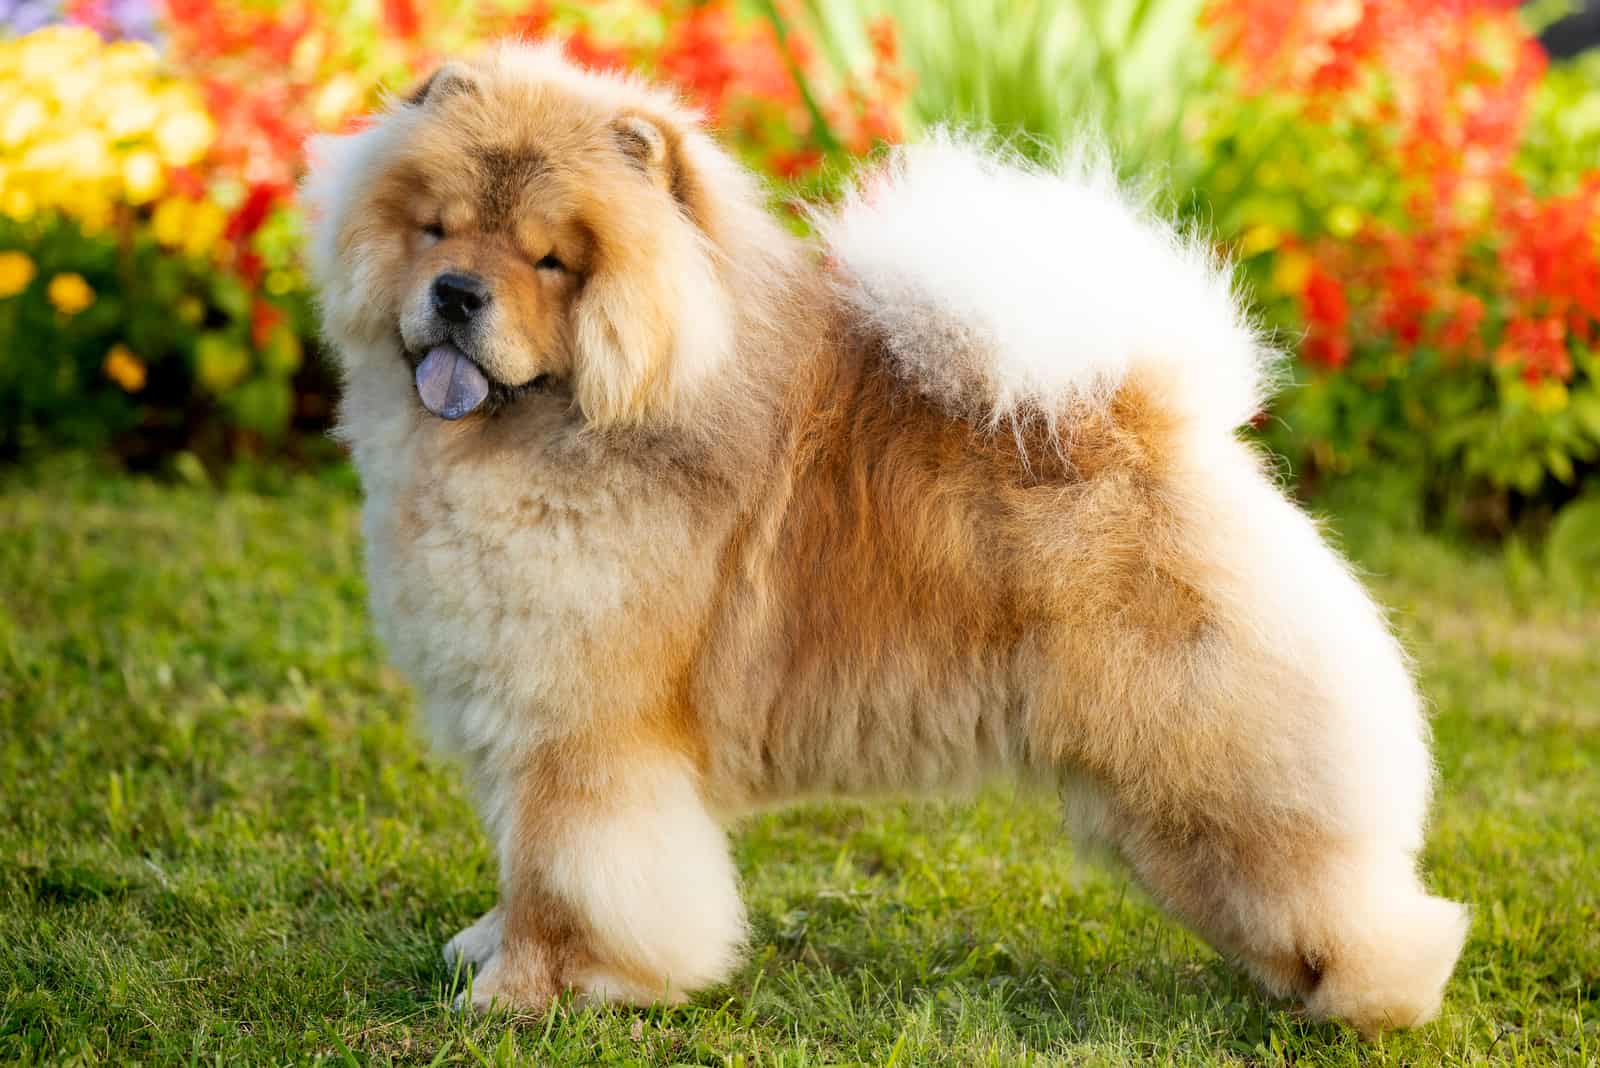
(1006, 291)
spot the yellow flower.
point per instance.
(206, 223)
(1260, 238)
(17, 204)
(142, 176)
(24, 117)
(86, 156)
(1344, 220)
(1549, 396)
(16, 271)
(93, 212)
(124, 368)
(47, 52)
(306, 58)
(69, 293)
(279, 282)
(132, 113)
(338, 98)
(74, 87)
(129, 57)
(219, 363)
(171, 221)
(184, 135)
(1290, 272)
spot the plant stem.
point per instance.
(824, 132)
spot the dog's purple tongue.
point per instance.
(449, 384)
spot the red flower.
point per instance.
(795, 163)
(264, 319)
(1462, 257)
(884, 35)
(249, 216)
(401, 18)
(250, 267)
(1327, 314)
(698, 55)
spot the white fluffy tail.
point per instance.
(1003, 290)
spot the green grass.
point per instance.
(221, 840)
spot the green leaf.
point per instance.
(263, 405)
(220, 362)
(231, 297)
(281, 355)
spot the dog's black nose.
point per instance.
(457, 297)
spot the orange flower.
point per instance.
(69, 293)
(16, 272)
(124, 368)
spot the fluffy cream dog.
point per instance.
(671, 515)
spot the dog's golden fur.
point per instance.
(725, 534)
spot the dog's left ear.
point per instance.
(641, 140)
(654, 317)
(657, 149)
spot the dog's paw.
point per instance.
(598, 987)
(501, 985)
(477, 945)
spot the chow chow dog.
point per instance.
(672, 515)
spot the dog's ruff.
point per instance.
(954, 493)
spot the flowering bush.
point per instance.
(1376, 162)
(1413, 193)
(121, 301)
(149, 283)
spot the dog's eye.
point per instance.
(432, 232)
(550, 263)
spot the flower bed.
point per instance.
(150, 293)
(1412, 190)
(1393, 176)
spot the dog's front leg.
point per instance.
(476, 945)
(616, 881)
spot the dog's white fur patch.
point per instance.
(1004, 288)
(654, 880)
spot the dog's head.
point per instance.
(517, 223)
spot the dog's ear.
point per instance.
(656, 148)
(654, 316)
(448, 80)
(642, 140)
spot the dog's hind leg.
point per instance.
(1346, 929)
(1260, 758)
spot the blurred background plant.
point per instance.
(1414, 195)
(1411, 186)
(151, 301)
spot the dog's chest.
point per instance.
(513, 598)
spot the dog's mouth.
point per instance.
(452, 386)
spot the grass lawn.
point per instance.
(222, 841)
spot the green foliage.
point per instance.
(224, 841)
(1325, 188)
(168, 353)
(1043, 73)
(1419, 227)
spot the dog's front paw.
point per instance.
(510, 985)
(477, 945)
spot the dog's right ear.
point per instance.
(447, 80)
